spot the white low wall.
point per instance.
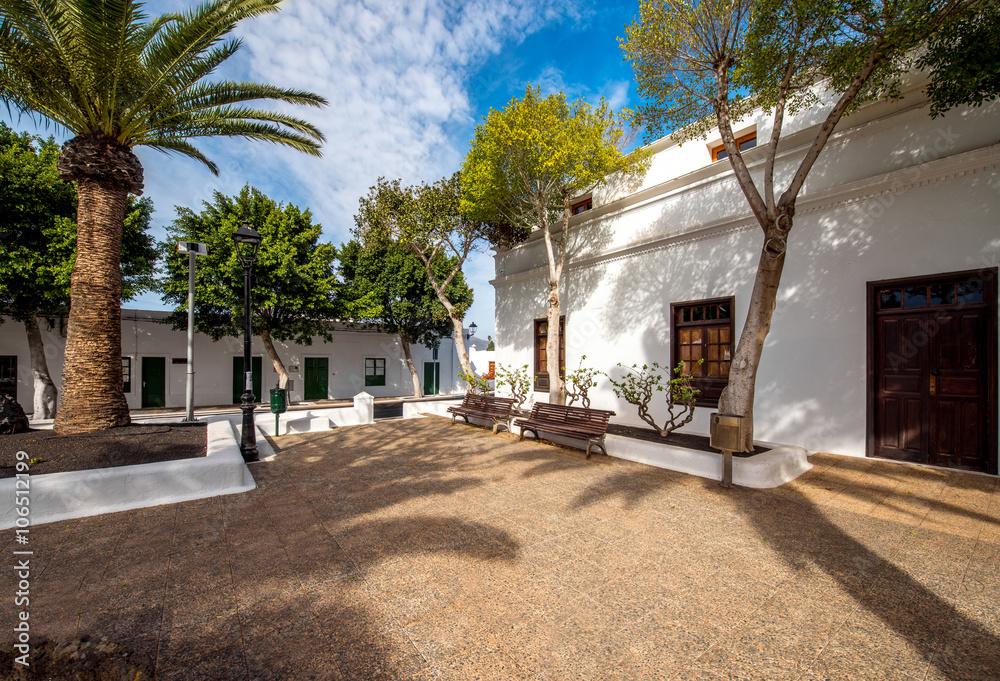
(77, 494)
(437, 407)
(781, 464)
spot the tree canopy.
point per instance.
(294, 277)
(386, 286)
(427, 220)
(528, 162)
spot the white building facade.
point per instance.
(154, 364)
(884, 338)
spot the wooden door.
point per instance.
(154, 382)
(317, 373)
(933, 370)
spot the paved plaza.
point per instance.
(420, 550)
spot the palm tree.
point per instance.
(116, 80)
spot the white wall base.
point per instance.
(781, 464)
(78, 494)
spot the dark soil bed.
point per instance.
(696, 442)
(138, 443)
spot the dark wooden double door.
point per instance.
(932, 363)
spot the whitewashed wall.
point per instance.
(895, 194)
(143, 336)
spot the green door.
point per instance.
(154, 382)
(238, 377)
(317, 378)
(432, 378)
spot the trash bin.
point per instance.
(279, 403)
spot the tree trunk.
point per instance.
(738, 396)
(92, 398)
(459, 336)
(557, 388)
(279, 366)
(45, 389)
(405, 342)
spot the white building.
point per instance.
(154, 363)
(884, 339)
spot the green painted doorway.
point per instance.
(432, 378)
(154, 382)
(317, 378)
(238, 377)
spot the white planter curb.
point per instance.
(773, 468)
(78, 494)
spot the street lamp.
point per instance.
(192, 248)
(247, 241)
(472, 331)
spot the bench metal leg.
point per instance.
(527, 430)
(596, 443)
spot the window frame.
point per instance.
(721, 147)
(540, 382)
(375, 367)
(13, 379)
(127, 374)
(587, 203)
(710, 387)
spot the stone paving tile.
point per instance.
(420, 550)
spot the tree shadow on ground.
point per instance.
(628, 486)
(803, 534)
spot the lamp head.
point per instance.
(247, 242)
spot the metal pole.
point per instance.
(727, 468)
(248, 443)
(189, 400)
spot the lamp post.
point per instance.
(192, 248)
(247, 241)
(472, 331)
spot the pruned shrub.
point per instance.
(639, 385)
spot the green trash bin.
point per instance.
(279, 404)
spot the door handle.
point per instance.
(934, 374)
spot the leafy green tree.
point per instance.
(427, 220)
(490, 346)
(38, 247)
(527, 164)
(704, 64)
(294, 287)
(964, 59)
(387, 286)
(116, 80)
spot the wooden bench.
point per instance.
(577, 423)
(496, 409)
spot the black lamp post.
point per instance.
(247, 242)
(472, 330)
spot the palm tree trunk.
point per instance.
(405, 342)
(92, 397)
(45, 390)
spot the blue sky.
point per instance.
(407, 83)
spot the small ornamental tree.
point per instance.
(526, 165)
(294, 286)
(704, 64)
(579, 382)
(517, 380)
(475, 384)
(639, 385)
